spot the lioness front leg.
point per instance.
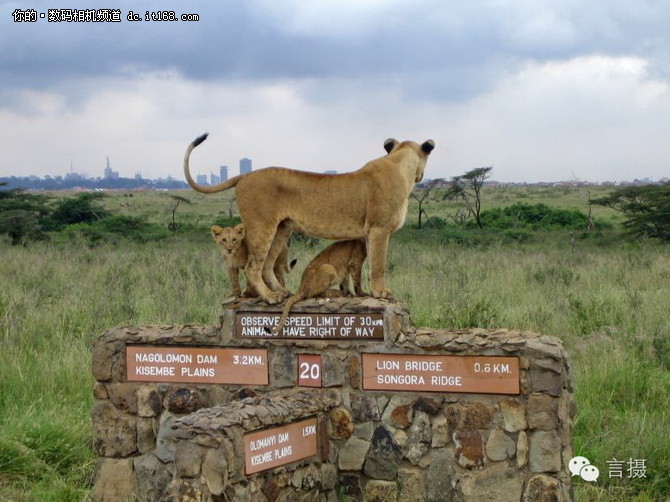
(377, 244)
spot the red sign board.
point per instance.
(197, 365)
(437, 373)
(310, 370)
(271, 448)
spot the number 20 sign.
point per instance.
(309, 370)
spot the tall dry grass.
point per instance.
(609, 305)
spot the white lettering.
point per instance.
(169, 357)
(154, 370)
(443, 380)
(400, 379)
(387, 365)
(423, 365)
(261, 443)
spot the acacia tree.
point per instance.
(176, 200)
(468, 188)
(425, 192)
(647, 209)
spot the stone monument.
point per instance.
(349, 402)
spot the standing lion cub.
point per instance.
(233, 247)
(338, 264)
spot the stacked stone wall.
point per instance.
(184, 441)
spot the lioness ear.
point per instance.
(428, 146)
(390, 144)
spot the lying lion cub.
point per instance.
(234, 251)
(369, 204)
(336, 265)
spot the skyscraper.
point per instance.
(109, 174)
(223, 173)
(245, 166)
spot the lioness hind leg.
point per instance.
(259, 240)
(279, 244)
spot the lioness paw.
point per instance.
(385, 294)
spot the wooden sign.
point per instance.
(197, 365)
(309, 370)
(279, 446)
(436, 373)
(311, 326)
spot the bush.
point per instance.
(537, 217)
(436, 222)
(114, 228)
(82, 208)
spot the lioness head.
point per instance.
(229, 239)
(392, 145)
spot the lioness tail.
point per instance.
(225, 185)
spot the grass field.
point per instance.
(607, 298)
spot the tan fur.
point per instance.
(235, 253)
(369, 204)
(338, 265)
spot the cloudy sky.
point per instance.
(540, 90)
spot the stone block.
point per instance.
(542, 488)
(188, 459)
(380, 491)
(149, 401)
(544, 451)
(546, 381)
(122, 395)
(500, 446)
(215, 470)
(495, 483)
(114, 480)
(411, 484)
(542, 412)
(469, 415)
(354, 371)
(152, 477)
(114, 433)
(184, 400)
(364, 407)
(514, 414)
(522, 450)
(342, 423)
(352, 454)
(419, 438)
(441, 477)
(333, 371)
(440, 431)
(146, 434)
(469, 448)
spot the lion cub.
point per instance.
(233, 248)
(336, 265)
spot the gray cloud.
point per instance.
(450, 50)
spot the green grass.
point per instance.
(606, 298)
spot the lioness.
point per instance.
(234, 251)
(369, 204)
(339, 264)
